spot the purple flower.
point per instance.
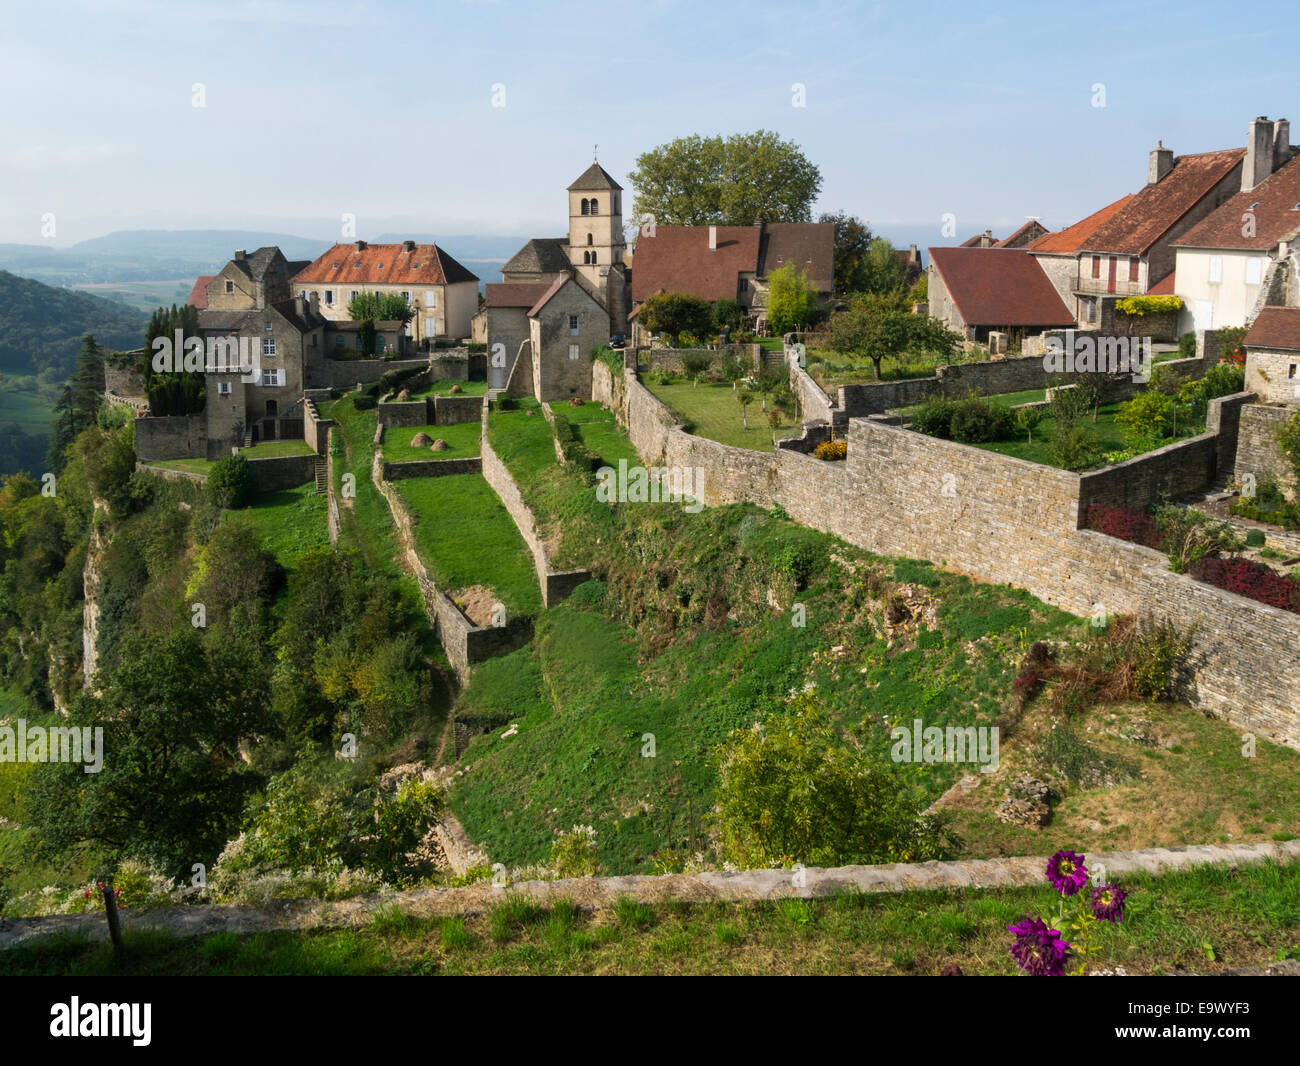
(1067, 873)
(1038, 950)
(1108, 903)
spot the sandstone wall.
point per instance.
(170, 437)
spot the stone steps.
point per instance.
(322, 476)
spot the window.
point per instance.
(223, 388)
(586, 206)
(407, 297)
(1090, 310)
(1216, 269)
(586, 258)
(1096, 266)
(573, 351)
(573, 325)
(594, 209)
(379, 343)
(430, 327)
(1254, 270)
(430, 297)
(1290, 371)
(1133, 269)
(270, 377)
(593, 258)
(744, 284)
(230, 286)
(268, 346)
(352, 295)
(329, 297)
(589, 239)
(338, 340)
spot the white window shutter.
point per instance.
(279, 377)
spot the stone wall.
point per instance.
(671, 358)
(403, 413)
(455, 410)
(315, 430)
(1005, 520)
(172, 475)
(327, 373)
(431, 468)
(170, 437)
(124, 381)
(282, 472)
(555, 585)
(1258, 451)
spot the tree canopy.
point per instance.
(879, 326)
(792, 302)
(733, 181)
(852, 239)
(676, 313)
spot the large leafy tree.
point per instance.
(879, 326)
(380, 307)
(792, 302)
(732, 181)
(852, 239)
(675, 313)
(882, 271)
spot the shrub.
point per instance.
(1070, 403)
(1156, 653)
(573, 854)
(695, 363)
(230, 483)
(976, 421)
(1187, 345)
(365, 403)
(1148, 416)
(506, 402)
(831, 450)
(934, 417)
(1188, 536)
(1137, 527)
(1248, 578)
(1288, 438)
(1254, 538)
(1072, 447)
(1028, 418)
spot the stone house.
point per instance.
(249, 281)
(1243, 256)
(442, 292)
(1273, 356)
(1058, 255)
(502, 324)
(976, 291)
(564, 326)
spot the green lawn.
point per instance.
(462, 441)
(466, 537)
(443, 388)
(1200, 920)
(599, 430)
(24, 402)
(290, 523)
(523, 440)
(366, 523)
(274, 449)
(190, 466)
(712, 411)
(1109, 435)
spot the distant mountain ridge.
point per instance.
(41, 326)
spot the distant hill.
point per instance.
(212, 246)
(41, 327)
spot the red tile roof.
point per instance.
(1275, 327)
(513, 294)
(1148, 216)
(1069, 240)
(199, 294)
(677, 259)
(807, 246)
(999, 287)
(384, 264)
(1276, 206)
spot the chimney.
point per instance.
(713, 238)
(1281, 142)
(240, 254)
(315, 303)
(408, 246)
(300, 307)
(1162, 162)
(1259, 153)
(913, 256)
(986, 241)
(361, 246)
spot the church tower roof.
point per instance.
(595, 177)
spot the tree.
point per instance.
(78, 406)
(736, 181)
(792, 302)
(675, 313)
(172, 392)
(883, 272)
(728, 313)
(744, 397)
(230, 482)
(380, 307)
(879, 327)
(852, 239)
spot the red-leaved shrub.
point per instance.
(1124, 523)
(1246, 577)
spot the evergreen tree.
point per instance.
(79, 403)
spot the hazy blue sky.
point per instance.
(385, 110)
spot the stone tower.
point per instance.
(596, 226)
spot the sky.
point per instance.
(390, 112)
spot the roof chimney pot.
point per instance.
(1258, 163)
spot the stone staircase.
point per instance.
(322, 476)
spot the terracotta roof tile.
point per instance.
(1143, 220)
(384, 264)
(1069, 240)
(199, 294)
(999, 287)
(677, 259)
(1276, 207)
(807, 246)
(1275, 327)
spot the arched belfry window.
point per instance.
(590, 239)
(586, 206)
(594, 209)
(593, 258)
(586, 258)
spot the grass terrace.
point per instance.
(712, 411)
(443, 388)
(599, 430)
(462, 442)
(274, 449)
(291, 522)
(466, 537)
(190, 466)
(365, 521)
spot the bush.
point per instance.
(934, 417)
(1187, 345)
(365, 403)
(1072, 447)
(1148, 416)
(831, 450)
(1254, 538)
(1138, 527)
(230, 483)
(1070, 403)
(1248, 578)
(977, 421)
(506, 402)
(1188, 536)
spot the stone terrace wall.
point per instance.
(464, 642)
(282, 472)
(327, 373)
(455, 410)
(671, 358)
(171, 437)
(1002, 520)
(431, 468)
(555, 585)
(315, 430)
(403, 413)
(1258, 451)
